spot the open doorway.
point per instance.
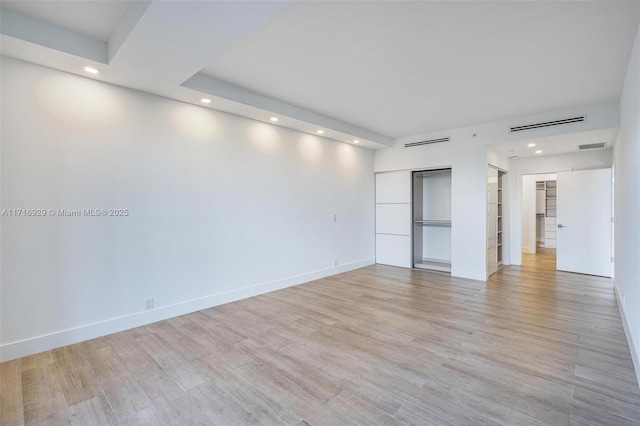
(566, 221)
(539, 211)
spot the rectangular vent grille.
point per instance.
(580, 119)
(429, 142)
(592, 145)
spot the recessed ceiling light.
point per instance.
(91, 70)
(320, 132)
(274, 119)
(531, 144)
(538, 152)
(511, 150)
(205, 100)
(356, 141)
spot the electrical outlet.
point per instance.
(148, 304)
(335, 217)
(335, 262)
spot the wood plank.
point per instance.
(138, 362)
(359, 411)
(611, 405)
(261, 405)
(160, 388)
(94, 411)
(105, 363)
(125, 396)
(220, 407)
(78, 384)
(11, 403)
(416, 416)
(42, 396)
(37, 360)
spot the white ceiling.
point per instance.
(404, 68)
(371, 71)
(556, 144)
(96, 18)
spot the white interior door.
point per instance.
(584, 222)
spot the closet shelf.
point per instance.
(433, 222)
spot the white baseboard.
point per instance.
(627, 332)
(33, 345)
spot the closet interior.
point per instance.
(546, 213)
(540, 210)
(432, 220)
(495, 211)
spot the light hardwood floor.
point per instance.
(380, 345)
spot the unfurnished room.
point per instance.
(319, 212)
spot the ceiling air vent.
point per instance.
(429, 142)
(592, 146)
(579, 119)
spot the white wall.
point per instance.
(597, 159)
(627, 205)
(467, 155)
(221, 207)
(529, 203)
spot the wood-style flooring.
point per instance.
(379, 345)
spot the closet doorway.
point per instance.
(432, 219)
(539, 210)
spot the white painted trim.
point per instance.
(627, 332)
(33, 345)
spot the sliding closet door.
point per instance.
(393, 218)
